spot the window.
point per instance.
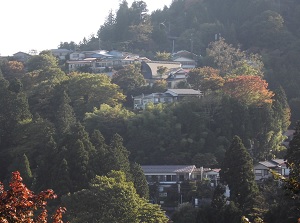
(181, 177)
(169, 178)
(161, 178)
(258, 172)
(174, 178)
(266, 172)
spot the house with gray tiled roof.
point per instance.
(262, 168)
(168, 179)
(171, 95)
(168, 174)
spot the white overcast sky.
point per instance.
(43, 24)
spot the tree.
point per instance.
(111, 199)
(14, 110)
(19, 204)
(22, 165)
(12, 69)
(65, 116)
(139, 180)
(186, 213)
(163, 56)
(108, 120)
(161, 70)
(88, 91)
(205, 79)
(228, 59)
(237, 173)
(42, 61)
(129, 78)
(118, 156)
(293, 160)
(248, 90)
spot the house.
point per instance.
(186, 63)
(103, 61)
(167, 180)
(76, 64)
(168, 174)
(179, 94)
(262, 169)
(171, 95)
(176, 77)
(77, 56)
(21, 57)
(187, 59)
(61, 54)
(149, 70)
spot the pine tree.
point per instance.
(139, 180)
(118, 156)
(65, 116)
(237, 173)
(62, 182)
(98, 157)
(21, 164)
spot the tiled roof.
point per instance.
(272, 163)
(168, 168)
(184, 91)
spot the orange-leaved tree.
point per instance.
(248, 89)
(19, 204)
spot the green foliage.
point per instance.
(186, 213)
(14, 110)
(139, 180)
(237, 164)
(88, 91)
(129, 78)
(162, 56)
(108, 120)
(111, 199)
(42, 61)
(118, 156)
(293, 161)
(237, 173)
(22, 165)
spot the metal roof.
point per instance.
(168, 168)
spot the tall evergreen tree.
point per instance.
(61, 178)
(118, 156)
(21, 164)
(139, 181)
(237, 173)
(65, 116)
(98, 158)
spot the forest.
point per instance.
(77, 133)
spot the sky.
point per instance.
(42, 24)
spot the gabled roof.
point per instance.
(273, 163)
(168, 168)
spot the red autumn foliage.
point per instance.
(19, 204)
(249, 90)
